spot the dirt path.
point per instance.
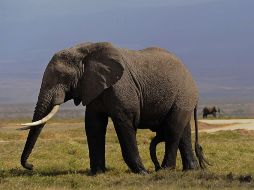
(205, 125)
(226, 124)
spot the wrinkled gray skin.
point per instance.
(210, 111)
(149, 88)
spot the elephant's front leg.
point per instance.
(95, 125)
(127, 138)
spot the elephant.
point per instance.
(210, 111)
(137, 89)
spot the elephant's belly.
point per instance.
(153, 118)
(155, 111)
(152, 125)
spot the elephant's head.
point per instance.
(80, 73)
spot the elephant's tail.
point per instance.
(198, 149)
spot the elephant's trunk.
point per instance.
(30, 142)
(42, 108)
(154, 142)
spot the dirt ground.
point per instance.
(205, 125)
(211, 126)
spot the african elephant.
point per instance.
(210, 111)
(148, 88)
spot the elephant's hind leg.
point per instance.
(175, 123)
(185, 146)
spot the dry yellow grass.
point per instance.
(61, 161)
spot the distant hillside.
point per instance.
(25, 111)
(69, 111)
(24, 88)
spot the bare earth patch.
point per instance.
(204, 126)
(226, 124)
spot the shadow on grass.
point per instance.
(19, 172)
(206, 176)
(16, 172)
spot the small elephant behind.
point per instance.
(198, 149)
(210, 111)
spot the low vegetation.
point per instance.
(61, 161)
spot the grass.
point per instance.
(61, 161)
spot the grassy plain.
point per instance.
(61, 161)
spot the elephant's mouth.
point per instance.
(72, 95)
(68, 96)
(42, 121)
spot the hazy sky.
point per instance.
(214, 38)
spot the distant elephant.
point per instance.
(148, 88)
(210, 111)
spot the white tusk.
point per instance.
(43, 120)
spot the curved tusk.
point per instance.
(42, 121)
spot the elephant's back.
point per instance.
(164, 80)
(187, 96)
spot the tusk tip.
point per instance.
(42, 121)
(24, 124)
(27, 126)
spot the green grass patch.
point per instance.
(61, 161)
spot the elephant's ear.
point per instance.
(103, 67)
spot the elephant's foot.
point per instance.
(97, 170)
(192, 165)
(165, 167)
(189, 162)
(26, 165)
(157, 168)
(137, 168)
(143, 172)
(169, 160)
(135, 165)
